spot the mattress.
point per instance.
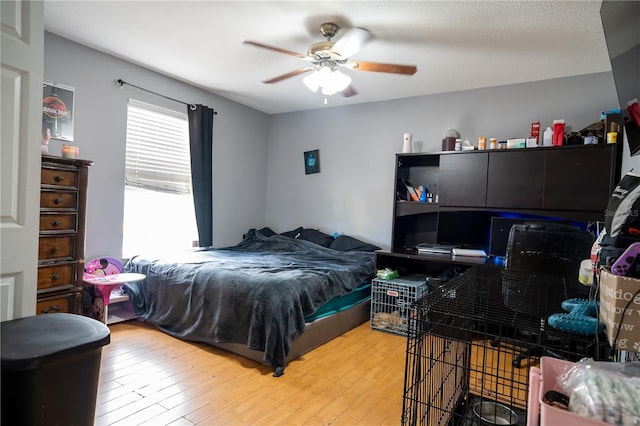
(341, 303)
(316, 333)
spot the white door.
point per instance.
(22, 57)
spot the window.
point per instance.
(158, 205)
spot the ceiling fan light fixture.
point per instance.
(330, 80)
(312, 81)
(336, 82)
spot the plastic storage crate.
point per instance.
(391, 301)
(544, 379)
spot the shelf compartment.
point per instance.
(408, 208)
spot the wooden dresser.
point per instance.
(63, 196)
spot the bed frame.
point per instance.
(315, 334)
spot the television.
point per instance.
(620, 23)
(464, 229)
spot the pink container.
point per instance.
(545, 379)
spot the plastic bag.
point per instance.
(604, 391)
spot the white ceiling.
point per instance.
(456, 45)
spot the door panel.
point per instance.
(515, 179)
(21, 76)
(463, 179)
(571, 182)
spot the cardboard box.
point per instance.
(620, 310)
(515, 143)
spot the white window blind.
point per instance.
(157, 153)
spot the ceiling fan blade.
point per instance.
(276, 49)
(288, 75)
(380, 67)
(351, 42)
(349, 91)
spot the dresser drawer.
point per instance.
(58, 177)
(57, 275)
(63, 303)
(58, 222)
(58, 200)
(56, 247)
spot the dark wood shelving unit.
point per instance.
(570, 183)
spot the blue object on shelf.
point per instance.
(580, 319)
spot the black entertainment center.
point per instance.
(478, 192)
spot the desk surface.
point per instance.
(113, 279)
(412, 253)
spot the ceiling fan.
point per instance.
(326, 57)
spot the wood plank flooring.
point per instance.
(152, 379)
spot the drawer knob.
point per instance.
(55, 277)
(55, 223)
(58, 178)
(57, 201)
(52, 308)
(55, 249)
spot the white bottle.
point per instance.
(547, 137)
(406, 146)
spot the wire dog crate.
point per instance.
(469, 353)
(391, 301)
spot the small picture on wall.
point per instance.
(312, 162)
(57, 111)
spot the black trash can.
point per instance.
(50, 369)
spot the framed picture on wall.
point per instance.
(312, 162)
(57, 111)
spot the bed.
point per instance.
(271, 298)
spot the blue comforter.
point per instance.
(255, 293)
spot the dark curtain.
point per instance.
(201, 145)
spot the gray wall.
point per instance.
(353, 193)
(240, 142)
(259, 174)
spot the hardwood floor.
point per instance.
(150, 378)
